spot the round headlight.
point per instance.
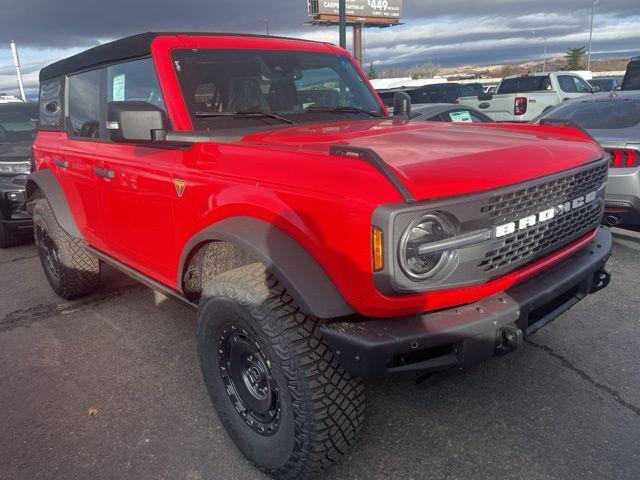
(427, 229)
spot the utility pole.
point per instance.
(357, 43)
(342, 14)
(544, 59)
(593, 8)
(16, 62)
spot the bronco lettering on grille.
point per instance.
(543, 216)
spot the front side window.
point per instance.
(84, 104)
(136, 81)
(225, 89)
(581, 85)
(567, 84)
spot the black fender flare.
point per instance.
(48, 184)
(304, 279)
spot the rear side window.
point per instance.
(430, 94)
(50, 105)
(524, 84)
(135, 81)
(84, 104)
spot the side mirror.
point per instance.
(595, 89)
(485, 96)
(401, 104)
(134, 121)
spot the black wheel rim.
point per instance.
(49, 253)
(248, 379)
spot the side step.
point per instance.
(142, 278)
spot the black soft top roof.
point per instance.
(126, 48)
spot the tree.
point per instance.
(575, 58)
(372, 73)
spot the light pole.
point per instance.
(593, 8)
(266, 24)
(16, 62)
(544, 59)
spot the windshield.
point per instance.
(18, 122)
(599, 114)
(226, 89)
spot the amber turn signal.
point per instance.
(377, 244)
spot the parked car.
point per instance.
(614, 121)
(606, 84)
(446, 112)
(260, 181)
(17, 130)
(521, 98)
(631, 79)
(433, 93)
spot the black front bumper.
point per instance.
(459, 338)
(13, 213)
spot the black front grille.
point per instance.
(518, 204)
(543, 238)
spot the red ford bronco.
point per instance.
(261, 181)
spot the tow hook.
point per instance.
(508, 339)
(600, 280)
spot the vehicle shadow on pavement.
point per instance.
(111, 388)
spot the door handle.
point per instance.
(61, 163)
(101, 172)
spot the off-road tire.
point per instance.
(71, 270)
(322, 406)
(7, 239)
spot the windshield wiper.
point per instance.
(317, 108)
(245, 114)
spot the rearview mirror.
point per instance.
(134, 121)
(401, 104)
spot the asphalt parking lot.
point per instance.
(109, 388)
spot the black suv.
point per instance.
(17, 131)
(433, 93)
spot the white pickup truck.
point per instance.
(521, 98)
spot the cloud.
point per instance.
(450, 33)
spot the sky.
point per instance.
(448, 33)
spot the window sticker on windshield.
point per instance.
(117, 94)
(461, 116)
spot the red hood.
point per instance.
(436, 159)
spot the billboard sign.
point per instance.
(389, 9)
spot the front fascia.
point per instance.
(473, 223)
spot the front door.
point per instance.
(134, 182)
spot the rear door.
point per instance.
(135, 182)
(74, 157)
